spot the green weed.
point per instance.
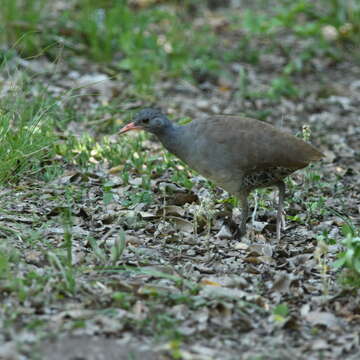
(21, 25)
(26, 133)
(349, 258)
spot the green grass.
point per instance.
(309, 23)
(162, 41)
(26, 131)
(138, 47)
(147, 43)
(21, 25)
(349, 258)
(56, 153)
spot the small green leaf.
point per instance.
(281, 310)
(339, 262)
(108, 197)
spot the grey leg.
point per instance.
(253, 215)
(243, 197)
(279, 218)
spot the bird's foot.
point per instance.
(239, 232)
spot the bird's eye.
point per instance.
(145, 121)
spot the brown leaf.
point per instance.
(253, 260)
(281, 283)
(116, 169)
(260, 249)
(171, 210)
(182, 198)
(182, 224)
(147, 215)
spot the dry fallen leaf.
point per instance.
(116, 169)
(182, 224)
(323, 318)
(209, 282)
(171, 210)
(281, 283)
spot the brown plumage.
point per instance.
(237, 153)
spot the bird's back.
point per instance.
(231, 150)
(251, 143)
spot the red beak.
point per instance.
(128, 127)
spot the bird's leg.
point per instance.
(280, 221)
(241, 231)
(253, 215)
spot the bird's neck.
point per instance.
(171, 137)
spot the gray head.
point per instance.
(151, 120)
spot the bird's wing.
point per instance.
(255, 144)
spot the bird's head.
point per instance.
(151, 120)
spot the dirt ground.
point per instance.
(183, 287)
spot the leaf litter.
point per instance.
(179, 284)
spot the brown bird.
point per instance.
(237, 153)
